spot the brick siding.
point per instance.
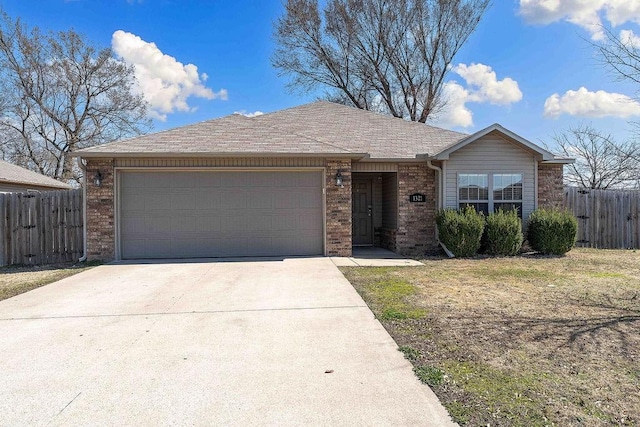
(338, 215)
(550, 187)
(100, 211)
(416, 221)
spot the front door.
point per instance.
(362, 210)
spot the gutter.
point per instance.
(83, 166)
(440, 203)
(439, 171)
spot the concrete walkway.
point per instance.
(374, 257)
(282, 342)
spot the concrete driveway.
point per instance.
(282, 342)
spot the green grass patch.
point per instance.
(459, 412)
(429, 375)
(393, 296)
(410, 353)
(511, 395)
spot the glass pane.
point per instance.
(507, 186)
(473, 187)
(497, 187)
(517, 191)
(463, 193)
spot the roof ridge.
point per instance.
(376, 114)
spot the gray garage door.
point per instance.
(220, 214)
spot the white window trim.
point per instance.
(490, 201)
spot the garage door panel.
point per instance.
(208, 199)
(220, 214)
(208, 223)
(157, 201)
(283, 200)
(230, 199)
(309, 180)
(183, 199)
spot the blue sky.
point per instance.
(522, 54)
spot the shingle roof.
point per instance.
(12, 174)
(316, 128)
(362, 131)
(233, 135)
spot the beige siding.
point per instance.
(222, 162)
(374, 167)
(492, 154)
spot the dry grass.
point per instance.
(17, 280)
(523, 341)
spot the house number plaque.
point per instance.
(417, 198)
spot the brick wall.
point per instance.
(550, 187)
(388, 238)
(338, 208)
(100, 211)
(416, 221)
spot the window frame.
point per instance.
(491, 202)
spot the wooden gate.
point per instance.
(607, 219)
(41, 227)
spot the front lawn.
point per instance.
(523, 341)
(17, 280)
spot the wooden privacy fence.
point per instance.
(607, 219)
(41, 227)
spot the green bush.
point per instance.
(552, 231)
(503, 233)
(460, 231)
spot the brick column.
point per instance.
(100, 211)
(338, 201)
(416, 221)
(550, 186)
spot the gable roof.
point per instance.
(13, 174)
(512, 137)
(317, 129)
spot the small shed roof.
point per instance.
(12, 174)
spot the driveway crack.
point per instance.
(65, 407)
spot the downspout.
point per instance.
(440, 203)
(84, 209)
(439, 170)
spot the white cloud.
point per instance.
(483, 86)
(587, 14)
(584, 103)
(628, 38)
(164, 82)
(244, 113)
(455, 112)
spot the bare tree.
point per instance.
(385, 55)
(601, 162)
(621, 55)
(61, 94)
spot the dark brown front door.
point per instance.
(362, 210)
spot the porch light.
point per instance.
(97, 179)
(339, 178)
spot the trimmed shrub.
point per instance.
(503, 233)
(460, 231)
(552, 231)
